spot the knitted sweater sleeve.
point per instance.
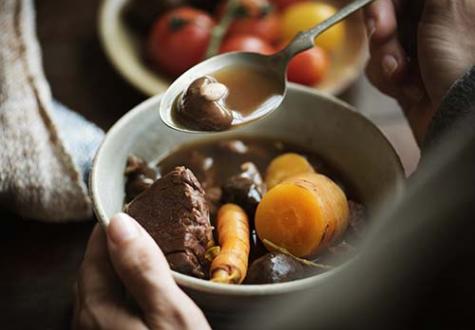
(457, 104)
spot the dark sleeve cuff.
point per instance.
(457, 104)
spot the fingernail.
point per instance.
(370, 27)
(389, 65)
(122, 228)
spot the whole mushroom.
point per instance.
(202, 106)
(276, 267)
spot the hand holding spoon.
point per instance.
(273, 67)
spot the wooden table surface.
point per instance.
(39, 261)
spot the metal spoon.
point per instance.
(275, 65)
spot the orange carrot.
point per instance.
(303, 214)
(230, 265)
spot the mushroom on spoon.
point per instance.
(234, 89)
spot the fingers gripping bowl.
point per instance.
(354, 147)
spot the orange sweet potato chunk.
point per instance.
(303, 214)
(286, 166)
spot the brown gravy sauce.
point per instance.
(248, 88)
(213, 161)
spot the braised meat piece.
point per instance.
(202, 106)
(139, 177)
(245, 189)
(175, 213)
(276, 268)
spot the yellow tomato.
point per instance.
(303, 15)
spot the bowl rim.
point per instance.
(226, 289)
(140, 77)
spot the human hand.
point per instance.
(126, 260)
(418, 49)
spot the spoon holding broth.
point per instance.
(234, 89)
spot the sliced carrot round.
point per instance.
(303, 214)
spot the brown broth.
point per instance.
(222, 163)
(248, 87)
(214, 161)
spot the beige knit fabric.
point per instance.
(38, 179)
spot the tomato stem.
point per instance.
(219, 31)
(176, 23)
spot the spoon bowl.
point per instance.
(266, 64)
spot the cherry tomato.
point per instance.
(282, 4)
(246, 43)
(267, 27)
(309, 67)
(256, 17)
(303, 15)
(179, 39)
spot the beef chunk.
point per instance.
(277, 268)
(175, 213)
(201, 106)
(139, 177)
(245, 189)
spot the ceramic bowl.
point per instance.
(346, 139)
(125, 50)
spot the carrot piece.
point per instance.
(303, 214)
(286, 166)
(230, 265)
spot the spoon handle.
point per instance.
(305, 40)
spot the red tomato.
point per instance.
(266, 27)
(179, 39)
(246, 43)
(256, 17)
(309, 67)
(282, 4)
